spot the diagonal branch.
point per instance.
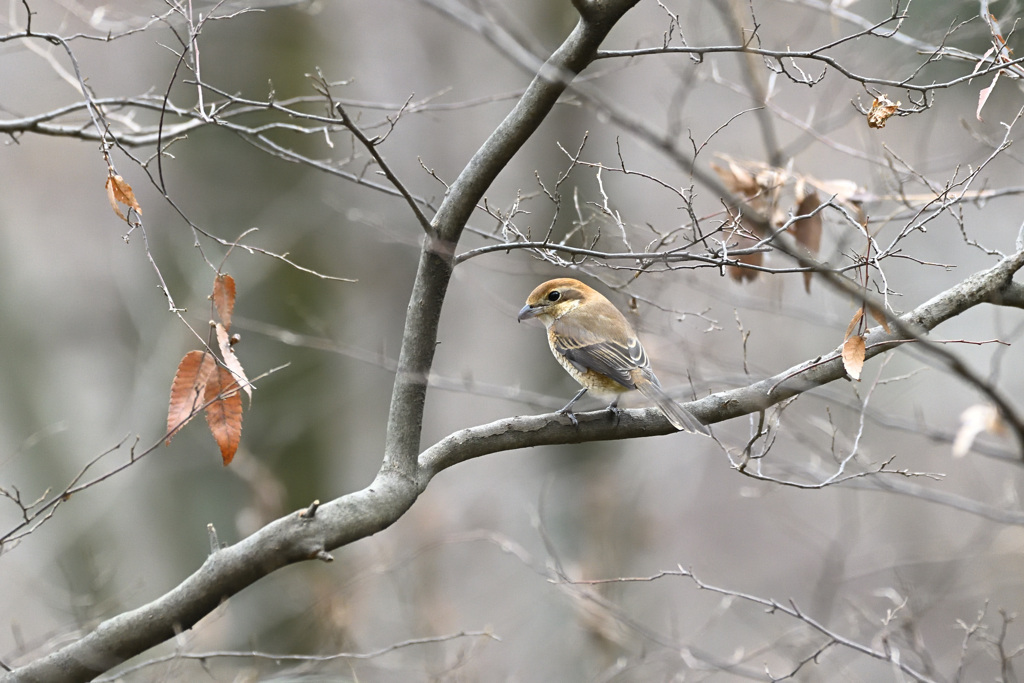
(986, 286)
(371, 147)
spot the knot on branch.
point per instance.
(310, 512)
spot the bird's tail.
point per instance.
(680, 417)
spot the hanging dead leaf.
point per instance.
(113, 200)
(188, 390)
(807, 231)
(881, 109)
(853, 323)
(853, 356)
(973, 421)
(738, 273)
(224, 298)
(119, 191)
(985, 92)
(231, 360)
(879, 317)
(224, 412)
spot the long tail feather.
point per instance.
(679, 416)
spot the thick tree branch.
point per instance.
(288, 540)
(405, 420)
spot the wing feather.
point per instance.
(614, 358)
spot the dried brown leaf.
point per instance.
(740, 274)
(737, 180)
(119, 191)
(807, 231)
(224, 412)
(113, 199)
(853, 356)
(224, 297)
(879, 317)
(743, 274)
(231, 360)
(188, 389)
(881, 109)
(853, 323)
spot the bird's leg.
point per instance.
(567, 410)
(613, 408)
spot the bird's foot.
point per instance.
(567, 411)
(613, 408)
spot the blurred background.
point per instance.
(90, 348)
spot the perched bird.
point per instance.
(595, 344)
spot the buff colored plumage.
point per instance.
(595, 344)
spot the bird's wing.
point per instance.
(586, 350)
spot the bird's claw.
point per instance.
(571, 415)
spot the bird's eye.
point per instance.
(554, 296)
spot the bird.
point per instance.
(598, 347)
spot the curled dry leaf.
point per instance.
(762, 186)
(737, 180)
(224, 298)
(853, 323)
(853, 356)
(877, 314)
(188, 389)
(119, 191)
(881, 109)
(756, 184)
(879, 317)
(983, 95)
(231, 360)
(973, 421)
(224, 412)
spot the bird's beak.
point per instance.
(527, 312)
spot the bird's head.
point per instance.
(553, 299)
